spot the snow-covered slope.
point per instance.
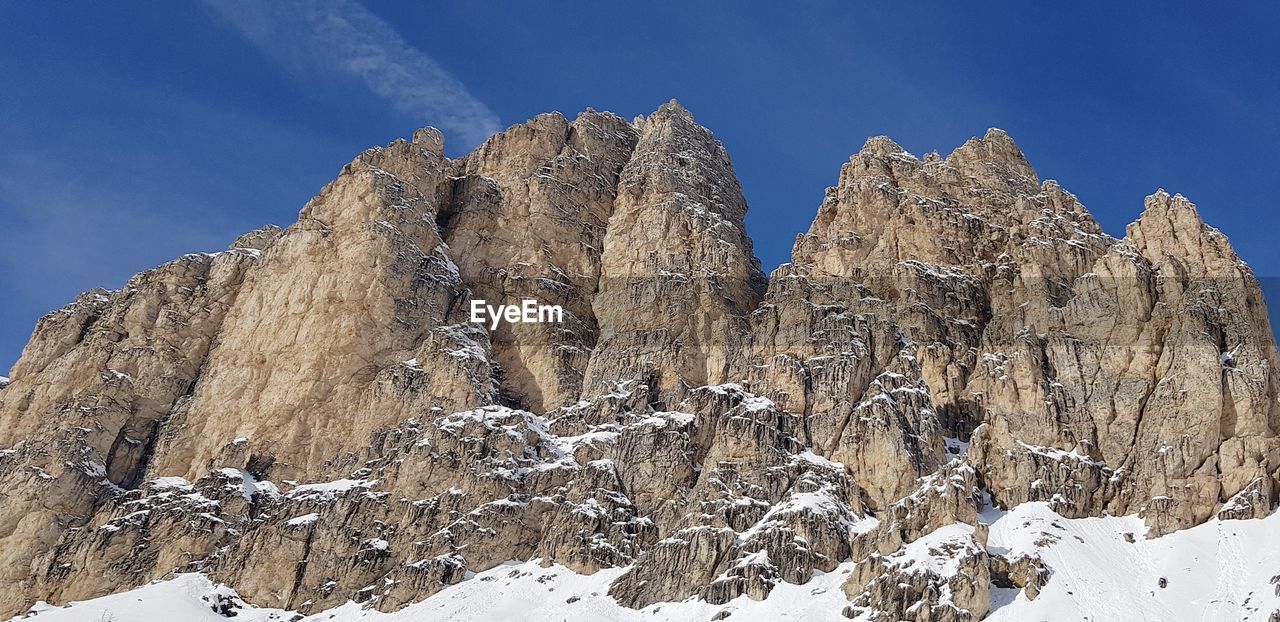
(1221, 571)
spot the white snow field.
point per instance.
(1221, 571)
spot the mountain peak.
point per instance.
(995, 155)
(951, 335)
(1162, 201)
(673, 110)
(884, 146)
(1171, 215)
(673, 105)
(429, 138)
(1171, 226)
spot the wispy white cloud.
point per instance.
(342, 36)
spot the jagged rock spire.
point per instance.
(662, 302)
(995, 159)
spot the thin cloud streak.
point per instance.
(346, 38)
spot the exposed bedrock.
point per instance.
(311, 416)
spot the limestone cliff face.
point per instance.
(1158, 376)
(311, 417)
(525, 217)
(93, 388)
(322, 324)
(678, 275)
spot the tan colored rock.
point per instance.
(525, 217)
(86, 402)
(763, 509)
(669, 313)
(1162, 390)
(312, 418)
(943, 577)
(343, 295)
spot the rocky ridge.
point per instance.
(309, 416)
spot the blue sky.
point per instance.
(131, 133)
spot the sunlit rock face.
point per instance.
(312, 416)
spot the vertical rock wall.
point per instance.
(311, 417)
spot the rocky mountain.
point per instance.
(312, 418)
